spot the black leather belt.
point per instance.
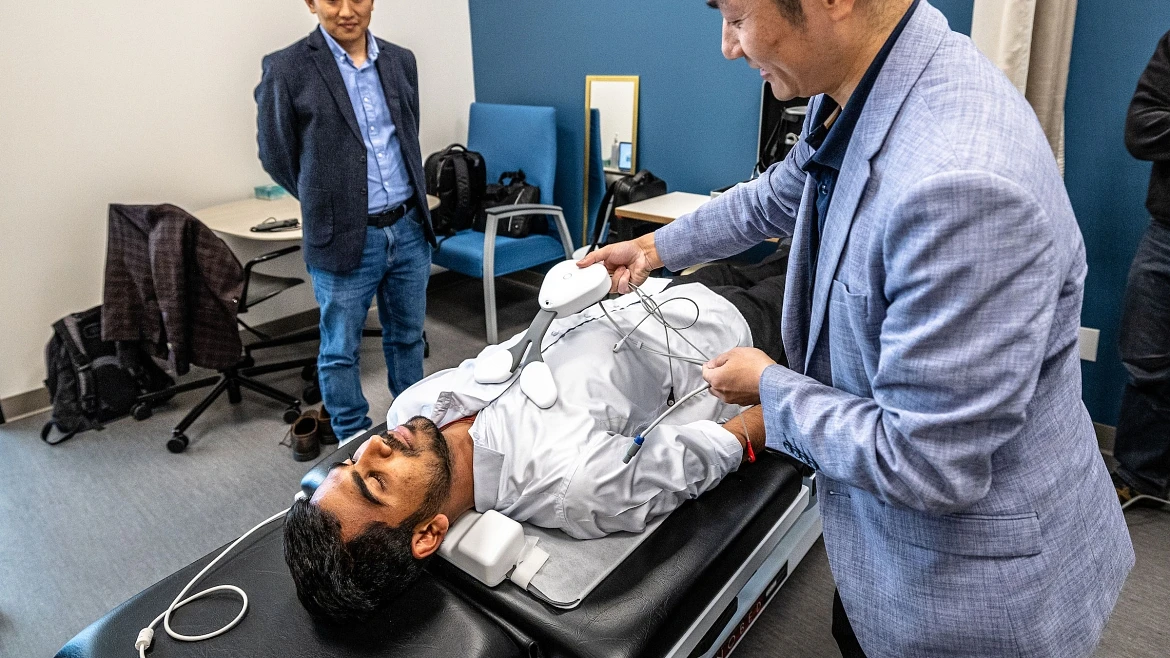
(390, 217)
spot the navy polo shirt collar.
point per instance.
(832, 143)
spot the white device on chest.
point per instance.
(567, 289)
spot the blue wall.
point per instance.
(958, 13)
(1112, 45)
(699, 114)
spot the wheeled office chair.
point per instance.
(258, 287)
(175, 286)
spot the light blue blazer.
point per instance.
(935, 382)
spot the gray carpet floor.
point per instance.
(88, 524)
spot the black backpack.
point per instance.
(512, 189)
(91, 381)
(623, 191)
(458, 177)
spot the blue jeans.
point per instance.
(1143, 431)
(395, 267)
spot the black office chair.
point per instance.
(258, 287)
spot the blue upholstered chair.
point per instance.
(510, 137)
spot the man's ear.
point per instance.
(428, 536)
(838, 9)
(312, 6)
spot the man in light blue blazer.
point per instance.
(930, 321)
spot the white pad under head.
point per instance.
(495, 368)
(537, 383)
(488, 546)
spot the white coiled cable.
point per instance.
(146, 635)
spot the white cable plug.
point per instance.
(145, 637)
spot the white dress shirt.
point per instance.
(562, 467)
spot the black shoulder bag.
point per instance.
(512, 189)
(623, 191)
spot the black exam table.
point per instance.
(666, 597)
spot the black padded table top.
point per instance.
(641, 609)
(653, 598)
(429, 622)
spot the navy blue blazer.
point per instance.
(311, 145)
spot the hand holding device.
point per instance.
(629, 262)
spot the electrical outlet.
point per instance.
(1088, 339)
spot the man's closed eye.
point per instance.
(380, 479)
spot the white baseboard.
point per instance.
(23, 405)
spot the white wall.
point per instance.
(150, 101)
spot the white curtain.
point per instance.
(1030, 41)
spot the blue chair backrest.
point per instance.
(511, 137)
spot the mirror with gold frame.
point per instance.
(615, 97)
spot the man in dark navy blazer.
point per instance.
(338, 128)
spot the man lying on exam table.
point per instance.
(456, 444)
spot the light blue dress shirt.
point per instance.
(388, 181)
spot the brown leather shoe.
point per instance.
(306, 443)
(325, 427)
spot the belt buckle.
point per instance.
(383, 219)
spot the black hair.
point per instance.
(340, 581)
(789, 9)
